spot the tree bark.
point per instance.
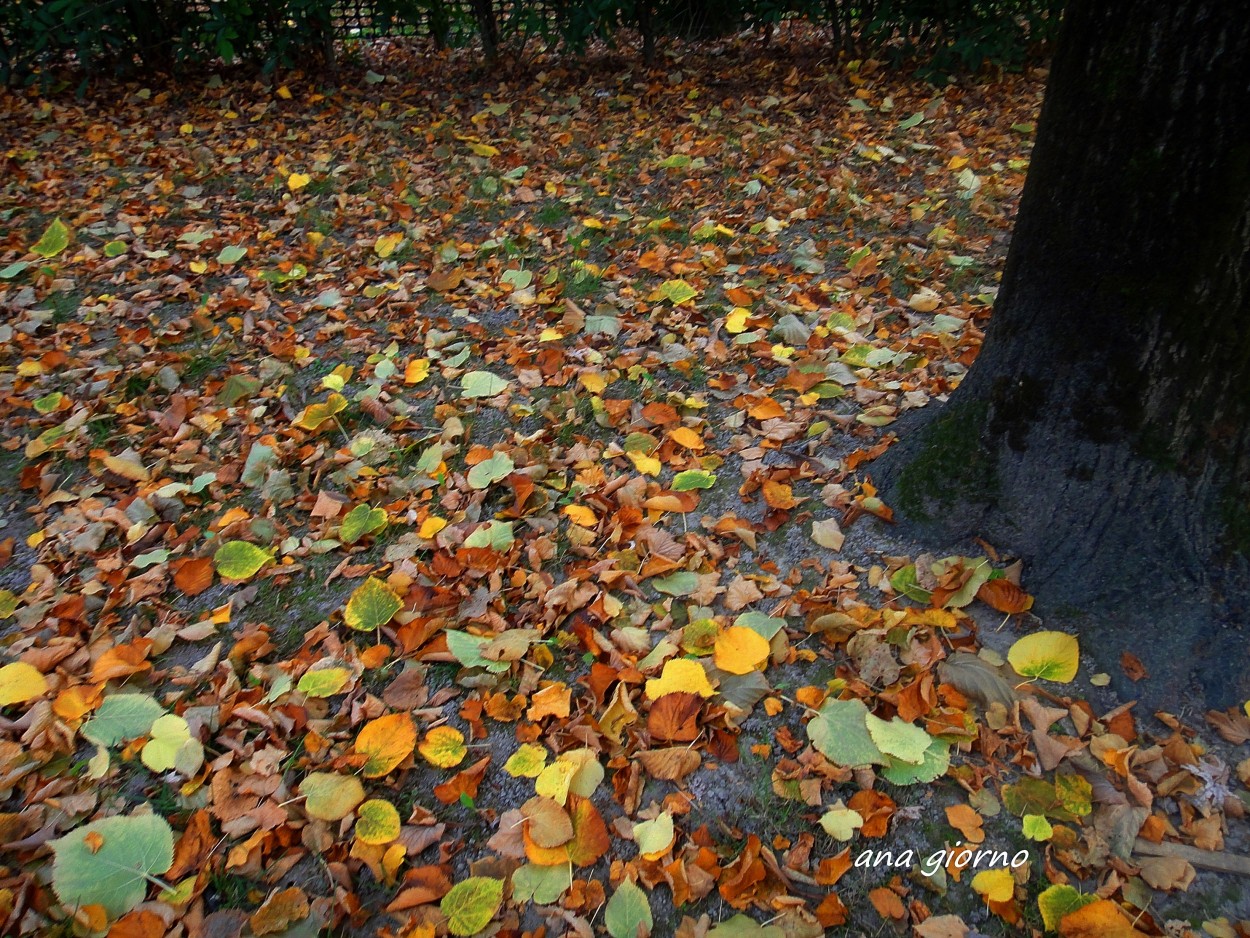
(1104, 431)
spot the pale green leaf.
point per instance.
(840, 732)
(122, 717)
(115, 867)
(494, 535)
(482, 384)
(231, 254)
(899, 739)
(489, 471)
(627, 910)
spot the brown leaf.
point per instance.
(279, 911)
(670, 765)
(675, 717)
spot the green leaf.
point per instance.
(122, 717)
(115, 248)
(360, 521)
(761, 622)
(489, 471)
(470, 905)
(113, 869)
(743, 926)
(676, 161)
(371, 606)
(1057, 901)
(55, 239)
(677, 291)
(494, 535)
(482, 384)
(981, 570)
(840, 732)
(12, 270)
(935, 761)
(627, 909)
(913, 121)
(330, 797)
(904, 581)
(681, 583)
(1036, 827)
(693, 479)
(49, 402)
(231, 254)
(904, 741)
(467, 649)
(239, 560)
(542, 885)
(323, 682)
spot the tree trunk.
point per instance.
(1104, 431)
(488, 28)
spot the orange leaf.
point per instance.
(387, 741)
(1004, 596)
(1101, 919)
(138, 924)
(887, 903)
(465, 783)
(875, 808)
(779, 495)
(193, 575)
(122, 661)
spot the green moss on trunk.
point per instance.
(951, 464)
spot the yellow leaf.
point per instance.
(386, 244)
(330, 797)
(297, 181)
(20, 682)
(314, 415)
(591, 223)
(377, 822)
(417, 371)
(284, 93)
(554, 780)
(995, 885)
(552, 335)
(740, 650)
(592, 381)
(684, 436)
(186, 129)
(387, 741)
(647, 465)
(580, 514)
(1051, 656)
(198, 267)
(443, 747)
(431, 526)
(680, 674)
(483, 149)
(736, 321)
(527, 761)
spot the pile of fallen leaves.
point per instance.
(414, 490)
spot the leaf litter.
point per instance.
(426, 516)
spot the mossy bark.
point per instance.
(1111, 401)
